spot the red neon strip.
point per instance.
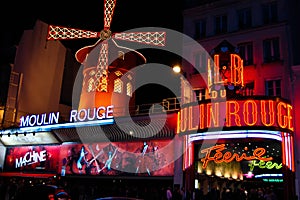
(282, 147)
(191, 154)
(293, 156)
(185, 154)
(286, 150)
(289, 151)
(178, 123)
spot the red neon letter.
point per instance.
(201, 115)
(183, 120)
(234, 113)
(290, 118)
(282, 119)
(213, 114)
(271, 113)
(253, 113)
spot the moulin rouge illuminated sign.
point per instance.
(227, 71)
(238, 113)
(81, 115)
(218, 155)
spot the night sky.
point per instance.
(129, 14)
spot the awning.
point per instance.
(125, 129)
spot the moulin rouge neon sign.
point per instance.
(238, 113)
(217, 155)
(221, 112)
(75, 116)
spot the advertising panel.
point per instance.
(32, 159)
(141, 158)
(241, 159)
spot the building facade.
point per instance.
(93, 137)
(261, 33)
(236, 127)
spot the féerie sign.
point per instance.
(218, 154)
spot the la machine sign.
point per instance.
(81, 115)
(31, 157)
(237, 113)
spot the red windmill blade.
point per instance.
(65, 33)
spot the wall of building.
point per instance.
(259, 72)
(42, 64)
(296, 105)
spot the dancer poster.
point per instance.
(140, 158)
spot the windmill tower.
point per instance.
(105, 62)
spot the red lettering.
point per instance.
(290, 118)
(183, 121)
(201, 111)
(236, 113)
(227, 157)
(232, 112)
(282, 119)
(270, 114)
(207, 157)
(259, 152)
(250, 112)
(213, 115)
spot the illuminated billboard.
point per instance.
(142, 158)
(136, 158)
(240, 159)
(35, 159)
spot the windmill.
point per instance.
(99, 81)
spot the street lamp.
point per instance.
(176, 69)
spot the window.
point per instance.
(200, 62)
(273, 88)
(200, 93)
(118, 73)
(248, 89)
(91, 84)
(121, 55)
(246, 52)
(269, 12)
(200, 29)
(221, 24)
(244, 18)
(118, 85)
(271, 50)
(129, 89)
(187, 92)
